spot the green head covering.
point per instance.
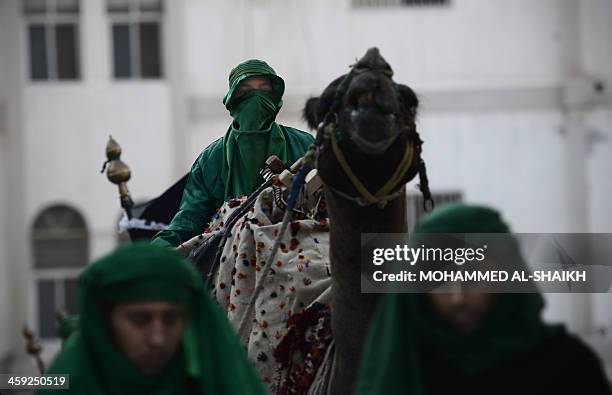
(253, 135)
(210, 354)
(402, 325)
(251, 68)
(462, 218)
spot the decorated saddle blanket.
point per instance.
(289, 330)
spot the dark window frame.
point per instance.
(57, 55)
(132, 19)
(56, 230)
(399, 3)
(414, 204)
(418, 3)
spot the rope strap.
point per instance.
(380, 198)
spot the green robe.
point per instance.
(207, 186)
(210, 361)
(391, 362)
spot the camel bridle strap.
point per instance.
(326, 130)
(383, 195)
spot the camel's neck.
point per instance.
(351, 309)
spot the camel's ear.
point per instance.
(310, 112)
(409, 100)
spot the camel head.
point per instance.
(373, 121)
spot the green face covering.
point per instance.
(253, 136)
(210, 357)
(253, 111)
(402, 325)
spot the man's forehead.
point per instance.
(262, 79)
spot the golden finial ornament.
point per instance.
(33, 347)
(118, 173)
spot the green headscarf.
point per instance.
(253, 135)
(391, 360)
(210, 352)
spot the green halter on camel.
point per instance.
(210, 354)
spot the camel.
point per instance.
(371, 119)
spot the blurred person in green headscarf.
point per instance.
(472, 342)
(147, 326)
(229, 167)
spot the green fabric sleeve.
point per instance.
(205, 188)
(201, 198)
(299, 141)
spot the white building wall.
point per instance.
(596, 25)
(57, 133)
(497, 158)
(5, 291)
(494, 80)
(469, 43)
(67, 124)
(490, 75)
(14, 254)
(499, 83)
(595, 37)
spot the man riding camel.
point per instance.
(229, 167)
